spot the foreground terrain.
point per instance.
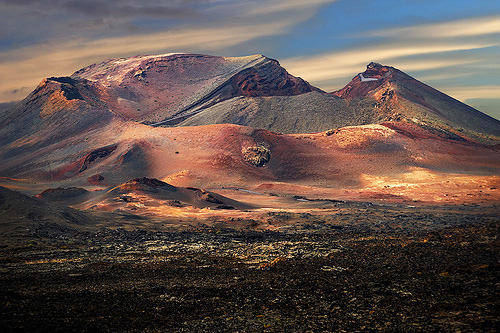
(357, 266)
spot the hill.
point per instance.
(22, 214)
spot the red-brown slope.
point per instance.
(217, 156)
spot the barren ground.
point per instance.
(362, 267)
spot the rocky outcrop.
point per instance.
(257, 155)
(96, 179)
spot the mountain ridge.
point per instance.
(171, 85)
(192, 89)
(94, 132)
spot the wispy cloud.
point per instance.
(460, 28)
(46, 20)
(414, 49)
(439, 77)
(332, 65)
(109, 8)
(275, 6)
(25, 66)
(468, 92)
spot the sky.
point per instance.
(452, 45)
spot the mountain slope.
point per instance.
(161, 90)
(306, 113)
(58, 107)
(398, 95)
(60, 113)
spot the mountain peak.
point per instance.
(397, 95)
(374, 65)
(378, 71)
(374, 76)
(169, 87)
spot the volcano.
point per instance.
(163, 90)
(398, 96)
(244, 128)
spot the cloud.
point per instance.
(445, 76)
(49, 19)
(471, 92)
(108, 8)
(14, 94)
(26, 66)
(460, 28)
(276, 6)
(31, 21)
(327, 67)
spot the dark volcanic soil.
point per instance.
(406, 276)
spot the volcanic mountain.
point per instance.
(216, 123)
(192, 89)
(189, 90)
(164, 90)
(379, 94)
(397, 95)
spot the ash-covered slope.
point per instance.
(397, 95)
(57, 108)
(61, 112)
(306, 113)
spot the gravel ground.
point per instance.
(399, 274)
